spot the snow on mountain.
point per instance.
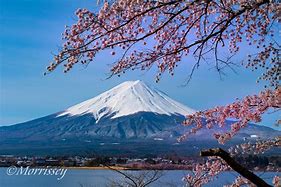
(128, 98)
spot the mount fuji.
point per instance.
(126, 99)
(129, 119)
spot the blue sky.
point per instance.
(31, 32)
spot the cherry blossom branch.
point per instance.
(235, 166)
(256, 148)
(203, 173)
(240, 181)
(170, 30)
(250, 109)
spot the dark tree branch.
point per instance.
(142, 179)
(235, 166)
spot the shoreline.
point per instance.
(126, 168)
(99, 168)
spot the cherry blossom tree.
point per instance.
(220, 160)
(171, 30)
(244, 111)
(203, 173)
(162, 33)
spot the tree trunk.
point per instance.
(235, 166)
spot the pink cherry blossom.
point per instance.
(276, 181)
(248, 110)
(174, 29)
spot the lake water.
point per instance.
(100, 178)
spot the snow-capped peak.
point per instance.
(128, 98)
